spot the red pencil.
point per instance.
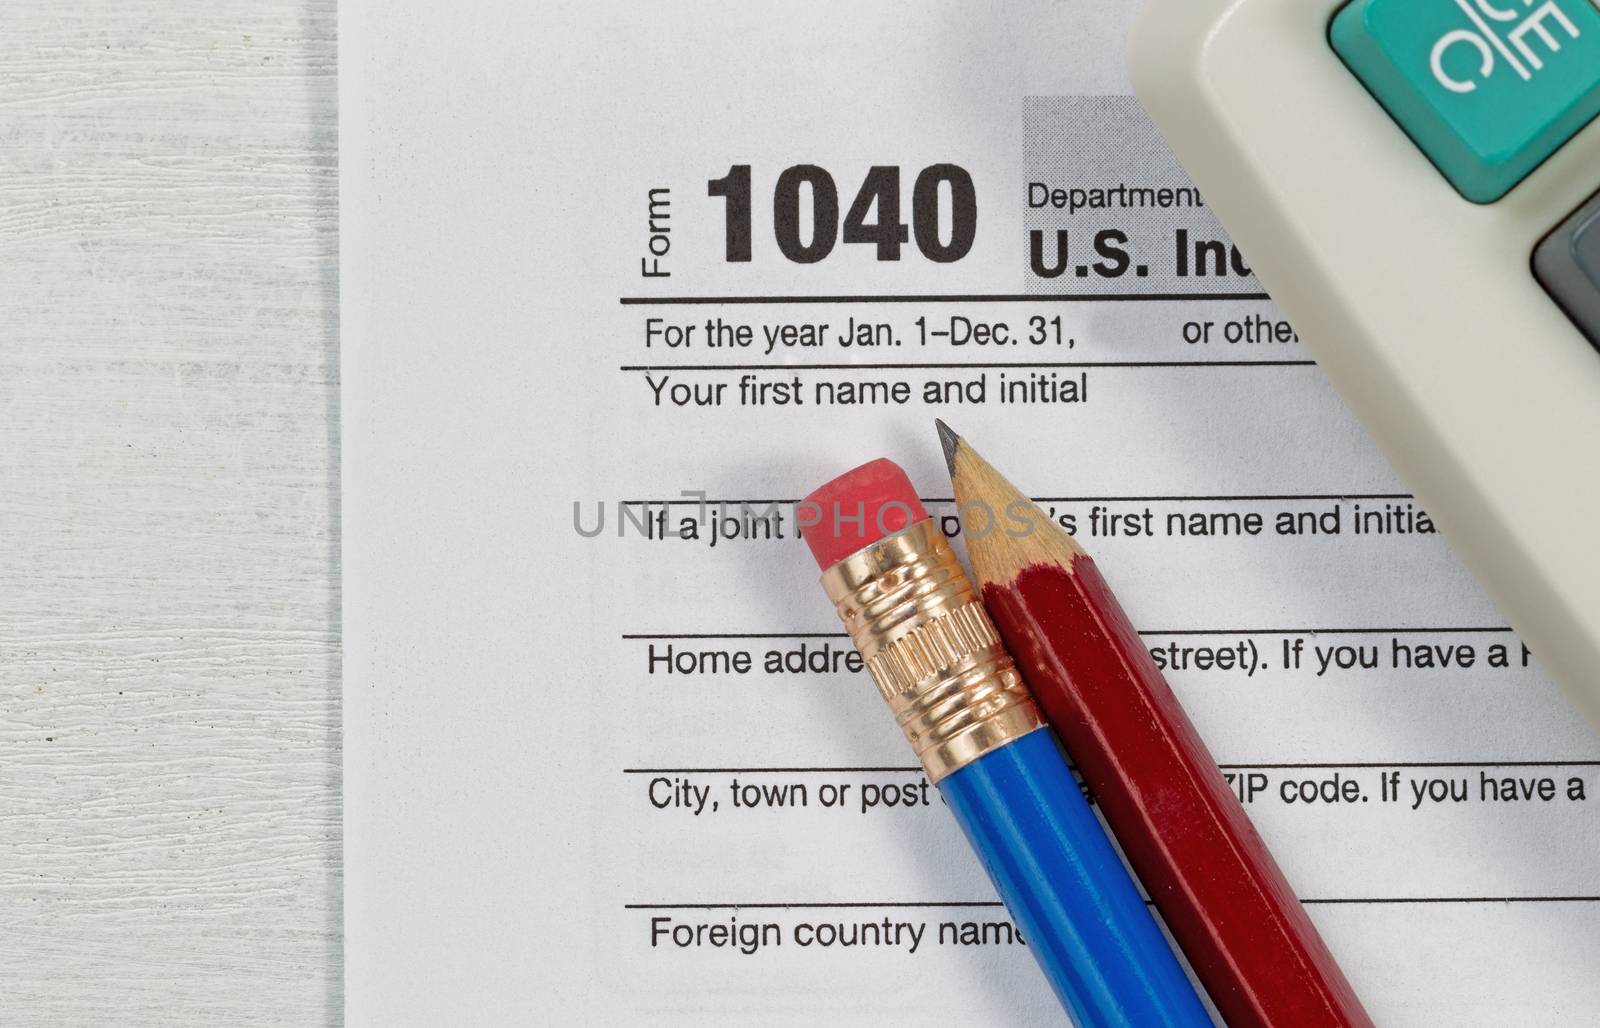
(1222, 895)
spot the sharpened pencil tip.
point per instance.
(950, 441)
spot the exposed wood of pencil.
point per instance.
(1221, 893)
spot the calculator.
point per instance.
(1417, 183)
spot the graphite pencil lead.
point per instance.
(950, 441)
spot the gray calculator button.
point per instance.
(1568, 265)
(1586, 247)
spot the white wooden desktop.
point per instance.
(169, 642)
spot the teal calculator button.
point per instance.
(1487, 88)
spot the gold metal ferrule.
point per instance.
(931, 648)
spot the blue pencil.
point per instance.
(1069, 891)
(941, 667)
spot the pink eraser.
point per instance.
(857, 509)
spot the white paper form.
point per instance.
(617, 282)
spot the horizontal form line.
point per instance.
(968, 365)
(1378, 900)
(1288, 766)
(807, 906)
(907, 904)
(763, 770)
(1422, 630)
(669, 301)
(1238, 498)
(734, 635)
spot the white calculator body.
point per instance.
(1415, 182)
